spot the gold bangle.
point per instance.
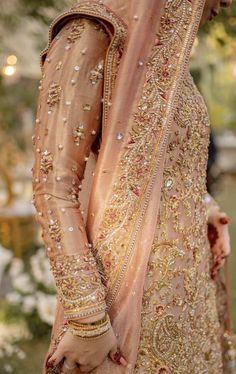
(90, 332)
(93, 337)
(87, 324)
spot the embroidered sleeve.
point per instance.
(67, 124)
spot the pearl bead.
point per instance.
(73, 82)
(93, 132)
(135, 17)
(71, 228)
(60, 147)
(140, 63)
(67, 47)
(38, 150)
(64, 120)
(58, 179)
(86, 158)
(77, 68)
(119, 136)
(37, 120)
(63, 210)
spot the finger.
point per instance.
(224, 219)
(55, 359)
(117, 357)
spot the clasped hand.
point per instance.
(85, 354)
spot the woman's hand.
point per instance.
(87, 354)
(218, 235)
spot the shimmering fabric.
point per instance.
(145, 212)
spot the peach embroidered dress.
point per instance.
(121, 144)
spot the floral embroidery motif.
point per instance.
(77, 29)
(73, 194)
(79, 284)
(97, 73)
(46, 163)
(55, 230)
(78, 133)
(54, 94)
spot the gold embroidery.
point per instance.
(54, 94)
(77, 29)
(46, 162)
(115, 48)
(78, 133)
(125, 210)
(180, 327)
(97, 73)
(79, 285)
(55, 231)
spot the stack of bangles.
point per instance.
(90, 330)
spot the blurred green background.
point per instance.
(23, 34)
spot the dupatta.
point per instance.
(145, 63)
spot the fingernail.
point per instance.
(50, 363)
(224, 220)
(123, 361)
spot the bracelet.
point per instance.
(88, 330)
(93, 337)
(87, 324)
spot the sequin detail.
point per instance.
(54, 94)
(97, 73)
(79, 284)
(77, 29)
(46, 162)
(180, 327)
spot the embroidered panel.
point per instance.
(180, 327)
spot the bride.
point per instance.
(121, 146)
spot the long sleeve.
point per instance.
(67, 123)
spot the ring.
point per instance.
(69, 367)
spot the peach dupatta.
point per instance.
(147, 57)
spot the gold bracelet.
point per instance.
(93, 337)
(88, 324)
(90, 331)
(88, 328)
